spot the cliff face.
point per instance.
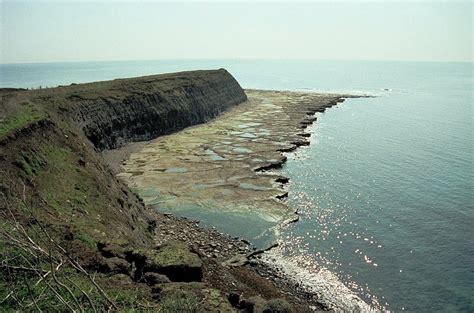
(45, 156)
(116, 112)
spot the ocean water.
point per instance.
(385, 191)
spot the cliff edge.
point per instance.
(115, 112)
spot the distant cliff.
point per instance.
(115, 112)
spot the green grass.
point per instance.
(175, 253)
(19, 289)
(24, 115)
(30, 162)
(179, 302)
(25, 290)
(88, 240)
(69, 187)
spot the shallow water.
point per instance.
(385, 190)
(396, 220)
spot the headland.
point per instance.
(75, 236)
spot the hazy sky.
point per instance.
(45, 31)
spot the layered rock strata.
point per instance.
(115, 112)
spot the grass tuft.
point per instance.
(25, 115)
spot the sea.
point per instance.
(385, 190)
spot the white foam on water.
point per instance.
(320, 281)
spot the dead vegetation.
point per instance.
(50, 276)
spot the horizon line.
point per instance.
(239, 59)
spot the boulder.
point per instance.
(115, 265)
(191, 297)
(176, 261)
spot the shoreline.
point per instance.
(221, 253)
(103, 227)
(315, 280)
(266, 263)
(239, 150)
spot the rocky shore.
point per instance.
(222, 172)
(75, 237)
(265, 127)
(224, 255)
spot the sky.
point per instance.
(62, 31)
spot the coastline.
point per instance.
(129, 247)
(391, 125)
(237, 151)
(223, 254)
(322, 290)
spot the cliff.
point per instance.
(75, 238)
(116, 112)
(47, 141)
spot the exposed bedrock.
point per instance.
(115, 112)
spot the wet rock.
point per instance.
(282, 196)
(287, 148)
(282, 180)
(299, 143)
